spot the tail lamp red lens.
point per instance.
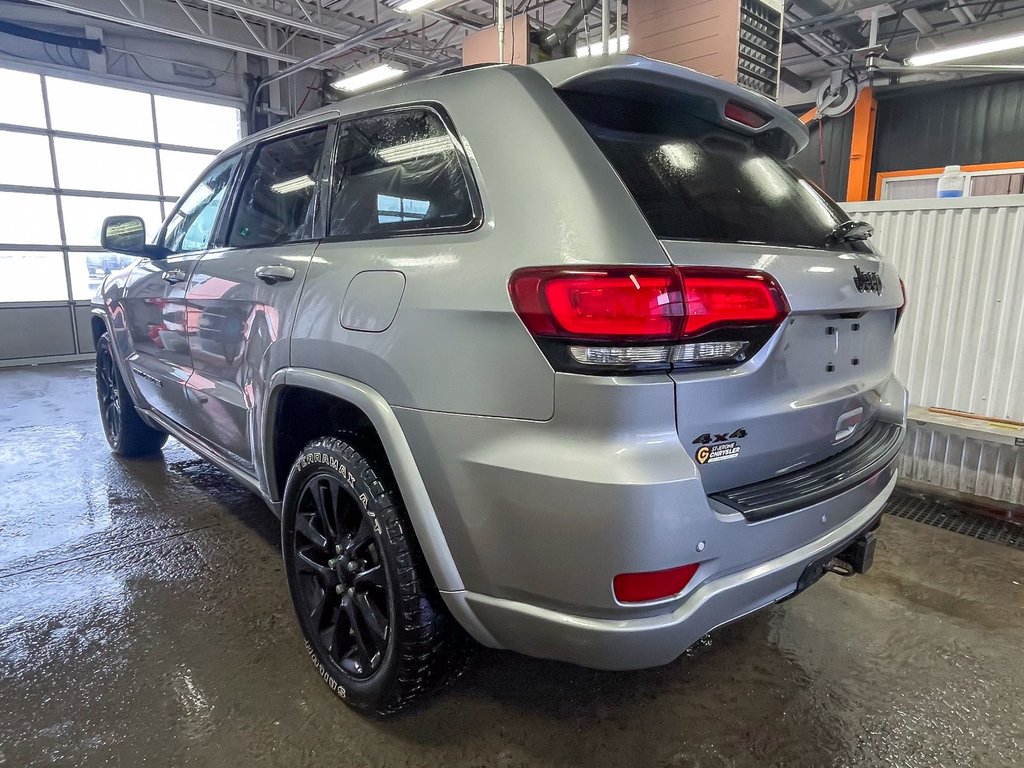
(641, 303)
(644, 304)
(902, 307)
(715, 298)
(744, 116)
(652, 585)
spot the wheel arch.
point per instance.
(297, 392)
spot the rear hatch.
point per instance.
(705, 163)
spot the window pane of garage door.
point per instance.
(194, 124)
(88, 268)
(83, 216)
(99, 110)
(22, 102)
(28, 219)
(25, 160)
(32, 276)
(181, 169)
(100, 167)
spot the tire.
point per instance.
(127, 434)
(375, 626)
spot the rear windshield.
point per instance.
(694, 180)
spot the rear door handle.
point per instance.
(174, 276)
(274, 273)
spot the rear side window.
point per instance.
(399, 173)
(276, 200)
(694, 180)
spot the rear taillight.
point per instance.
(629, 319)
(902, 307)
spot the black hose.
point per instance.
(64, 41)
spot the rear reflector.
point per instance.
(652, 585)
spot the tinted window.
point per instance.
(276, 200)
(191, 224)
(694, 180)
(396, 173)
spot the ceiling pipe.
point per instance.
(606, 26)
(559, 34)
(328, 53)
(918, 21)
(962, 12)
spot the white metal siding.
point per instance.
(961, 344)
(963, 463)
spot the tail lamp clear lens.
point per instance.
(643, 318)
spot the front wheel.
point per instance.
(375, 626)
(127, 434)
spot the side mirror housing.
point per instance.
(127, 234)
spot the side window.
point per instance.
(191, 224)
(396, 173)
(276, 200)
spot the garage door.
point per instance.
(73, 153)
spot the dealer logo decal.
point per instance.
(709, 454)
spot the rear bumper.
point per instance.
(622, 644)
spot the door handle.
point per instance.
(174, 276)
(274, 273)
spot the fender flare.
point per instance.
(414, 493)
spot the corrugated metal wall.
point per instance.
(946, 124)
(961, 345)
(963, 463)
(836, 139)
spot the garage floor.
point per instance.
(144, 620)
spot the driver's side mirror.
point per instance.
(127, 234)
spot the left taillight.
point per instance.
(902, 307)
(635, 319)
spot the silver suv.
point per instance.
(563, 358)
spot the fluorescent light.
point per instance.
(967, 51)
(360, 80)
(413, 5)
(410, 149)
(292, 185)
(594, 49)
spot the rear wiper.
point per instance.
(849, 231)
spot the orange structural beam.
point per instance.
(808, 116)
(861, 146)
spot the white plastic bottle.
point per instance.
(951, 182)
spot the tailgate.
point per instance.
(816, 388)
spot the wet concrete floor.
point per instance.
(144, 620)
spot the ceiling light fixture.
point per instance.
(414, 5)
(411, 150)
(967, 51)
(368, 77)
(292, 185)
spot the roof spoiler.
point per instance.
(608, 75)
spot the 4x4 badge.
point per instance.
(867, 281)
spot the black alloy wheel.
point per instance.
(343, 581)
(109, 396)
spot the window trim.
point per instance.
(475, 198)
(221, 232)
(227, 155)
